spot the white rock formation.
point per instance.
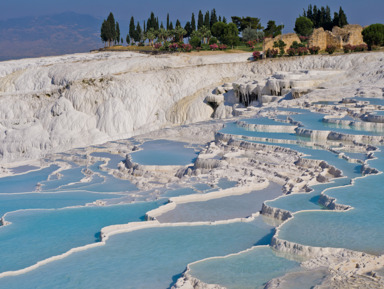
(53, 104)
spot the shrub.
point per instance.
(256, 55)
(302, 51)
(303, 38)
(213, 47)
(271, 53)
(205, 47)
(291, 51)
(359, 48)
(157, 45)
(280, 44)
(296, 45)
(213, 40)
(222, 46)
(186, 47)
(198, 49)
(373, 35)
(314, 49)
(348, 48)
(330, 49)
(140, 44)
(173, 47)
(195, 41)
(251, 43)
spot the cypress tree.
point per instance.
(178, 24)
(128, 39)
(193, 22)
(161, 25)
(117, 39)
(328, 20)
(152, 22)
(220, 19)
(144, 29)
(224, 20)
(213, 17)
(335, 21)
(104, 31)
(342, 18)
(138, 33)
(167, 21)
(200, 20)
(157, 24)
(132, 28)
(206, 20)
(188, 28)
(112, 28)
(171, 26)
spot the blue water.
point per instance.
(226, 184)
(35, 235)
(13, 202)
(224, 208)
(114, 159)
(26, 182)
(164, 152)
(346, 229)
(263, 121)
(248, 270)
(72, 175)
(232, 128)
(147, 258)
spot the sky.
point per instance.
(282, 11)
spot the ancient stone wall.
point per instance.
(349, 34)
(287, 38)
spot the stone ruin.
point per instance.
(349, 34)
(287, 38)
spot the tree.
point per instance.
(170, 26)
(206, 20)
(231, 35)
(179, 33)
(104, 32)
(111, 29)
(128, 39)
(244, 22)
(193, 22)
(200, 20)
(250, 34)
(167, 21)
(272, 30)
(218, 30)
(151, 35)
(132, 28)
(178, 24)
(342, 18)
(374, 35)
(205, 34)
(162, 34)
(224, 20)
(303, 26)
(213, 19)
(188, 28)
(117, 38)
(138, 35)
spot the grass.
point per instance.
(236, 49)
